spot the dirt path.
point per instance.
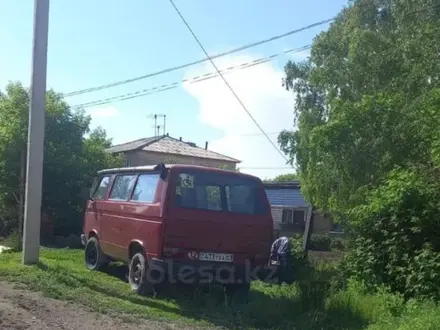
(20, 310)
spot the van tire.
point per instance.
(93, 256)
(137, 275)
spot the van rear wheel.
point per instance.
(94, 258)
(137, 275)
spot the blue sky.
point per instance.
(97, 42)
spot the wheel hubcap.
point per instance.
(137, 273)
(91, 255)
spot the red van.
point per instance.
(179, 223)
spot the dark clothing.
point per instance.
(285, 269)
(281, 251)
(280, 247)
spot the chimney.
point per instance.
(206, 145)
(180, 139)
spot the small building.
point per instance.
(290, 210)
(165, 149)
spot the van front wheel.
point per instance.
(137, 275)
(94, 258)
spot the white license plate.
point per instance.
(218, 257)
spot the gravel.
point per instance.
(21, 309)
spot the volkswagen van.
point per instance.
(178, 223)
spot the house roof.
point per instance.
(282, 185)
(285, 194)
(168, 145)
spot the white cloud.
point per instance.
(260, 90)
(104, 112)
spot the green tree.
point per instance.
(284, 178)
(367, 114)
(70, 159)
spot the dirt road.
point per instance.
(21, 309)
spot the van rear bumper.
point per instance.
(207, 272)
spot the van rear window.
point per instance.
(219, 192)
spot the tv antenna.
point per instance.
(156, 116)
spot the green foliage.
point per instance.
(284, 178)
(70, 158)
(320, 242)
(367, 144)
(397, 235)
(312, 303)
(337, 244)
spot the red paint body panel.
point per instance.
(161, 224)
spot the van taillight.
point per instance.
(169, 251)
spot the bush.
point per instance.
(337, 244)
(320, 242)
(13, 241)
(397, 236)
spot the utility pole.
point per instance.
(21, 198)
(35, 152)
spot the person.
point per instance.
(280, 252)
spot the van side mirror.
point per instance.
(85, 194)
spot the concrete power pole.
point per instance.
(35, 151)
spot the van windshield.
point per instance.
(219, 192)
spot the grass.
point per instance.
(308, 304)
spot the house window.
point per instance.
(287, 216)
(299, 216)
(293, 216)
(128, 160)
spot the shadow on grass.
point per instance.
(264, 307)
(268, 306)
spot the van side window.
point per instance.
(213, 198)
(145, 188)
(240, 199)
(102, 189)
(122, 187)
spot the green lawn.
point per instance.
(62, 275)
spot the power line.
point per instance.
(182, 66)
(195, 79)
(251, 45)
(225, 81)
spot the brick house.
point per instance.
(165, 149)
(290, 210)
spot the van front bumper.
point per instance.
(206, 272)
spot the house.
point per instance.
(290, 210)
(165, 149)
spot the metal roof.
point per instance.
(168, 145)
(282, 185)
(285, 195)
(133, 145)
